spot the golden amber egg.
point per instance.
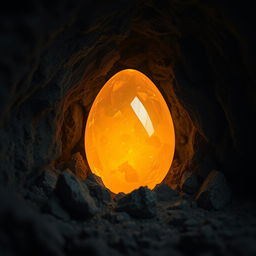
(129, 135)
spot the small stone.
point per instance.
(117, 217)
(37, 195)
(180, 204)
(164, 192)
(141, 203)
(75, 196)
(119, 196)
(191, 222)
(78, 166)
(97, 190)
(47, 181)
(94, 179)
(214, 192)
(189, 182)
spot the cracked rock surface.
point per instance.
(214, 192)
(75, 196)
(139, 223)
(140, 203)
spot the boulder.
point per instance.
(119, 196)
(97, 190)
(75, 196)
(179, 204)
(47, 181)
(141, 203)
(189, 182)
(44, 186)
(94, 179)
(54, 207)
(214, 192)
(164, 192)
(177, 218)
(78, 166)
(117, 217)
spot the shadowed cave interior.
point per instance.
(55, 59)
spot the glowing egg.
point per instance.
(129, 135)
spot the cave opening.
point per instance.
(170, 166)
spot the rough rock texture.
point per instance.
(25, 230)
(75, 196)
(94, 179)
(141, 203)
(117, 217)
(55, 208)
(214, 192)
(189, 182)
(78, 166)
(48, 181)
(178, 227)
(42, 188)
(164, 192)
(97, 190)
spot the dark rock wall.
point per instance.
(56, 56)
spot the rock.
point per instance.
(191, 223)
(141, 203)
(119, 196)
(94, 179)
(189, 182)
(37, 195)
(180, 204)
(117, 217)
(75, 196)
(47, 181)
(67, 229)
(54, 207)
(164, 192)
(78, 166)
(26, 229)
(177, 218)
(43, 187)
(214, 192)
(97, 190)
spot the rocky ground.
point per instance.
(63, 215)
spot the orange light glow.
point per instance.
(129, 136)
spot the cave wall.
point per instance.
(65, 52)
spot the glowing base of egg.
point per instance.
(129, 136)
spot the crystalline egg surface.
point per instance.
(129, 136)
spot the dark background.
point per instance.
(56, 55)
